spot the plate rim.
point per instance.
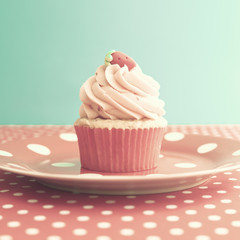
(87, 176)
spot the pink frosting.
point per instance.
(117, 93)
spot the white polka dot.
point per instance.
(70, 137)
(221, 191)
(1, 217)
(188, 201)
(54, 238)
(83, 218)
(71, 201)
(195, 224)
(172, 218)
(7, 206)
(4, 190)
(148, 212)
(236, 187)
(186, 192)
(32, 180)
(149, 201)
(5, 153)
(176, 231)
(153, 238)
(235, 223)
(18, 194)
(5, 237)
(209, 206)
(39, 218)
(88, 206)
(217, 183)
(226, 201)
(171, 206)
(106, 212)
(40, 191)
(22, 212)
(110, 201)
(64, 212)
(13, 224)
(230, 211)
(32, 200)
(104, 225)
(40, 149)
(236, 153)
(149, 225)
(127, 218)
(191, 212)
(79, 232)
(203, 187)
(103, 238)
(205, 148)
(232, 179)
(127, 232)
(221, 231)
(63, 164)
(131, 196)
(174, 136)
(48, 206)
(214, 218)
(206, 196)
(58, 224)
(129, 207)
(13, 183)
(170, 196)
(202, 237)
(185, 165)
(32, 231)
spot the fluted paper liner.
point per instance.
(119, 150)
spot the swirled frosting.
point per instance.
(114, 92)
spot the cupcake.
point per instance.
(121, 127)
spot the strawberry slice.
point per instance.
(115, 57)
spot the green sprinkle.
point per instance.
(108, 58)
(110, 52)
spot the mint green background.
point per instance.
(49, 48)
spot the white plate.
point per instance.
(185, 161)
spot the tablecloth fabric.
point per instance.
(29, 210)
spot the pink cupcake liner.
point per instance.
(119, 150)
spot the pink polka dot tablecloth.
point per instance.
(30, 210)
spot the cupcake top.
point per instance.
(120, 90)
